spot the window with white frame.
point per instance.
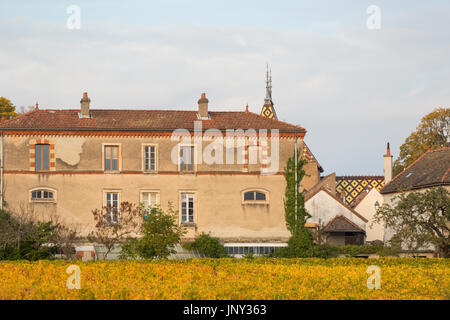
(42, 195)
(254, 196)
(187, 207)
(112, 200)
(149, 158)
(150, 200)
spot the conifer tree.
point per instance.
(294, 205)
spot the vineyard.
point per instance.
(260, 278)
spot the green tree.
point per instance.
(431, 133)
(208, 246)
(418, 219)
(294, 206)
(7, 109)
(24, 237)
(160, 233)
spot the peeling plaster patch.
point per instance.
(69, 150)
(18, 141)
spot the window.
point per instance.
(41, 156)
(149, 158)
(187, 207)
(111, 158)
(150, 200)
(187, 159)
(254, 196)
(42, 195)
(112, 207)
(257, 249)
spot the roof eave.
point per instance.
(429, 185)
(129, 129)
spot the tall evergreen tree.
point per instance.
(294, 205)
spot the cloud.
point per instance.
(352, 88)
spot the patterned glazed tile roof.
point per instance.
(355, 188)
(110, 119)
(268, 111)
(308, 156)
(429, 170)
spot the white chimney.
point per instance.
(387, 165)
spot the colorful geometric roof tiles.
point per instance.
(308, 156)
(354, 186)
(268, 111)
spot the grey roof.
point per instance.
(430, 170)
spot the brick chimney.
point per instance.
(387, 165)
(85, 102)
(203, 107)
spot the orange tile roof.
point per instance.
(158, 120)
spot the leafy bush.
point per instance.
(296, 250)
(160, 233)
(208, 246)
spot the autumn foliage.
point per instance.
(259, 278)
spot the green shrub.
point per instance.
(295, 249)
(208, 246)
(160, 233)
(249, 256)
(21, 237)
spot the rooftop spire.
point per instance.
(268, 98)
(268, 111)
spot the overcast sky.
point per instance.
(351, 87)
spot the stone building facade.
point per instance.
(69, 162)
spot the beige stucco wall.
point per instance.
(322, 207)
(86, 154)
(219, 208)
(80, 183)
(366, 208)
